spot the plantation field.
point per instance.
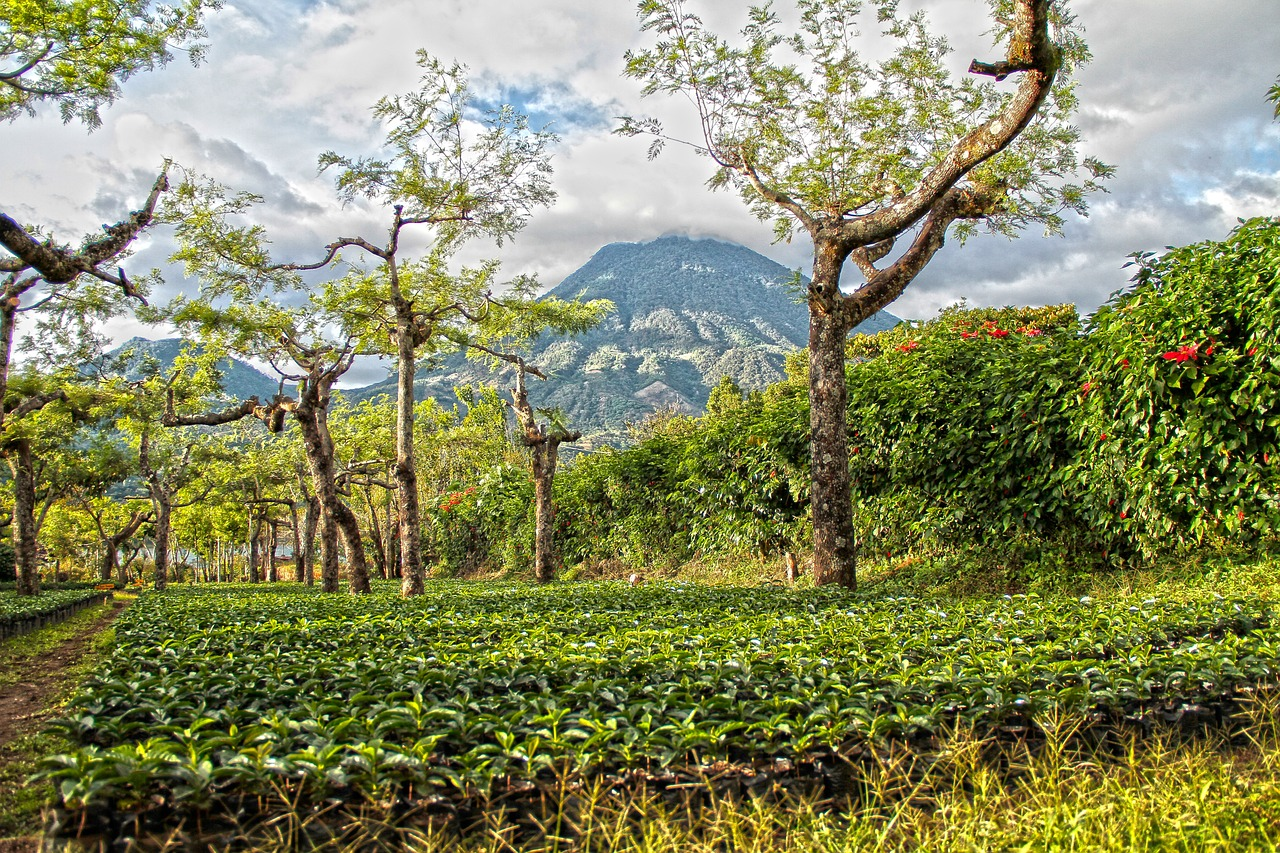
(472, 690)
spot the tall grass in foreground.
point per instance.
(1070, 790)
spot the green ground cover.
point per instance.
(471, 689)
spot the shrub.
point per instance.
(1179, 438)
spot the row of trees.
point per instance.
(223, 503)
(874, 160)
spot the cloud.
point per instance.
(1173, 99)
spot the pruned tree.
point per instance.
(510, 328)
(301, 344)
(874, 161)
(543, 439)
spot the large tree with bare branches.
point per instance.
(874, 161)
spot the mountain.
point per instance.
(688, 313)
(240, 380)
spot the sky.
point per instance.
(1174, 99)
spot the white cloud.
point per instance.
(1174, 99)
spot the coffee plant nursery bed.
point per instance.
(217, 695)
(21, 614)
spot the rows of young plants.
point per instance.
(213, 693)
(22, 613)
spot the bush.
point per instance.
(1179, 442)
(961, 432)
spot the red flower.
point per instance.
(1086, 388)
(1124, 514)
(909, 346)
(1124, 362)
(999, 333)
(1189, 352)
(1252, 351)
(1103, 437)
(967, 335)
(1029, 332)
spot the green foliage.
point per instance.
(477, 511)
(961, 432)
(7, 571)
(836, 131)
(76, 53)
(1011, 435)
(1180, 443)
(471, 685)
(441, 172)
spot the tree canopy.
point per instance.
(76, 53)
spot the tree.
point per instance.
(510, 328)
(460, 173)
(863, 155)
(76, 53)
(367, 431)
(451, 169)
(543, 441)
(305, 344)
(43, 410)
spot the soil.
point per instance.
(24, 704)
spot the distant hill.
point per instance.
(689, 312)
(240, 380)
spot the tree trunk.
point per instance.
(273, 572)
(393, 542)
(831, 498)
(255, 535)
(22, 465)
(353, 543)
(164, 515)
(108, 564)
(299, 572)
(375, 532)
(409, 522)
(544, 471)
(336, 518)
(309, 524)
(544, 447)
(328, 554)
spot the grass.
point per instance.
(1214, 792)
(20, 803)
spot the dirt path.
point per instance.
(24, 704)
